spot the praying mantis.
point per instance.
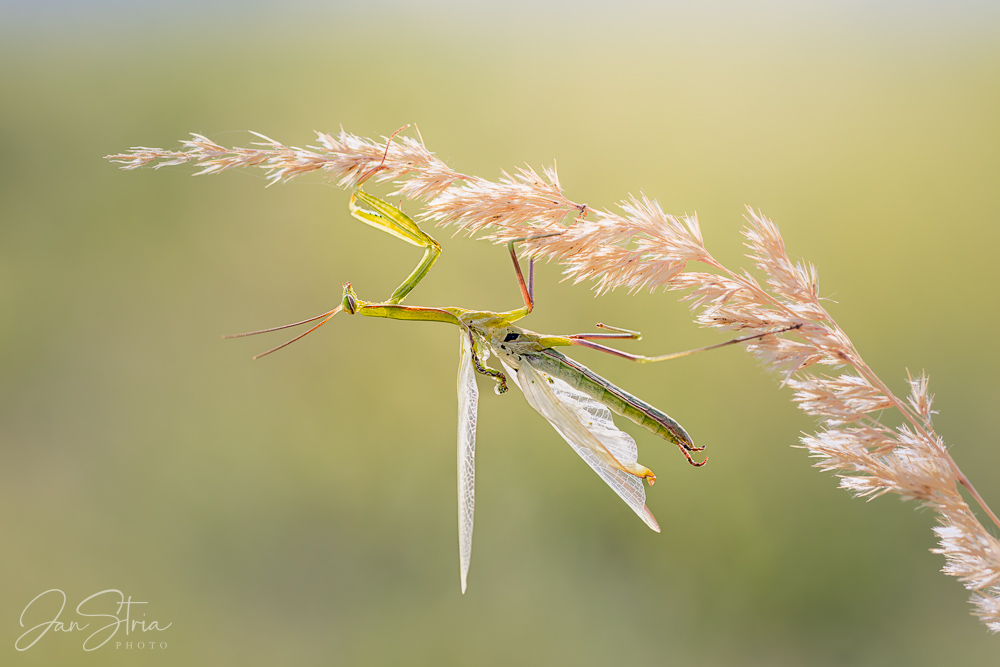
(577, 402)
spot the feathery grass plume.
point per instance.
(644, 248)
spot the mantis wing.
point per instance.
(468, 402)
(588, 427)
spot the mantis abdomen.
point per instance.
(615, 398)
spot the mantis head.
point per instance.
(350, 300)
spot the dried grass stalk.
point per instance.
(641, 247)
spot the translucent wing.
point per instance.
(588, 427)
(468, 401)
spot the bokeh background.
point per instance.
(300, 510)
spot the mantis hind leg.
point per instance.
(612, 332)
(585, 341)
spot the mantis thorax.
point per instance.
(512, 343)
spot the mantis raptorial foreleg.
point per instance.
(384, 216)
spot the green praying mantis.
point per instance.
(577, 402)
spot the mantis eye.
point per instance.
(509, 337)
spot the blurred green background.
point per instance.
(300, 510)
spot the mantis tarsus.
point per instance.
(575, 400)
